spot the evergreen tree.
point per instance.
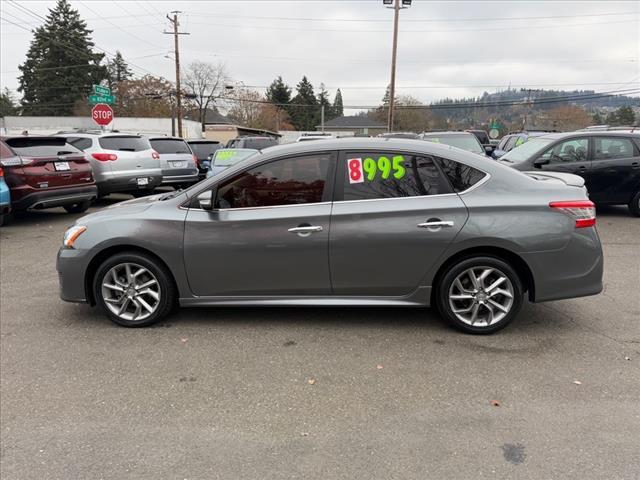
(338, 108)
(279, 92)
(7, 103)
(597, 119)
(323, 100)
(623, 116)
(118, 70)
(61, 65)
(304, 109)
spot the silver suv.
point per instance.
(178, 163)
(120, 162)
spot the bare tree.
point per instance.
(205, 83)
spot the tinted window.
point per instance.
(203, 150)
(612, 147)
(80, 143)
(465, 141)
(481, 136)
(386, 175)
(573, 150)
(526, 150)
(5, 152)
(292, 181)
(258, 143)
(511, 143)
(461, 176)
(170, 145)
(41, 146)
(124, 143)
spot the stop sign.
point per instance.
(102, 114)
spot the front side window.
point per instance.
(290, 181)
(368, 176)
(511, 143)
(573, 150)
(612, 147)
(461, 176)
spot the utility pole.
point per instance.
(322, 117)
(392, 88)
(176, 52)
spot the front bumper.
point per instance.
(72, 265)
(573, 271)
(55, 197)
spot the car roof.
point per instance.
(447, 133)
(96, 135)
(561, 135)
(203, 141)
(164, 137)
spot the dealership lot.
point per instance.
(315, 392)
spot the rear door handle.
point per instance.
(306, 229)
(436, 224)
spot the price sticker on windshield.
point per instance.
(369, 169)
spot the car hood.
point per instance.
(120, 209)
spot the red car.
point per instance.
(45, 172)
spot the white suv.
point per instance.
(121, 162)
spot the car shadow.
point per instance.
(613, 211)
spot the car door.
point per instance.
(569, 156)
(393, 216)
(615, 170)
(268, 232)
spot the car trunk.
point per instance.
(132, 152)
(175, 156)
(48, 163)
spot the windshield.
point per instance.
(203, 150)
(227, 157)
(170, 145)
(526, 150)
(465, 142)
(259, 143)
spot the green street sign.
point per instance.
(108, 99)
(100, 90)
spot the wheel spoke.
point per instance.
(124, 305)
(138, 309)
(148, 283)
(495, 284)
(117, 288)
(461, 296)
(127, 268)
(483, 276)
(498, 306)
(474, 313)
(144, 304)
(114, 301)
(474, 280)
(491, 314)
(150, 292)
(465, 310)
(501, 291)
(141, 270)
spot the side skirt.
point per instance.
(418, 298)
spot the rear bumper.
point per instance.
(128, 183)
(58, 197)
(574, 271)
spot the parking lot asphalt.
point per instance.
(316, 393)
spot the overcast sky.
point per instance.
(447, 48)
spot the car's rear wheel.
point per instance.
(134, 289)
(479, 294)
(78, 207)
(634, 205)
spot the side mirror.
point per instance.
(498, 153)
(207, 198)
(488, 149)
(539, 162)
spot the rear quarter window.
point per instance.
(5, 152)
(124, 143)
(462, 177)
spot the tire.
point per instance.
(78, 207)
(634, 205)
(488, 317)
(156, 277)
(6, 219)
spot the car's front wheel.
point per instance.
(134, 289)
(479, 295)
(634, 205)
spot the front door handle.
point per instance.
(306, 230)
(436, 224)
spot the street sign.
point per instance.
(100, 90)
(102, 114)
(110, 99)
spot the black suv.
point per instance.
(609, 162)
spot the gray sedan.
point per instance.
(343, 223)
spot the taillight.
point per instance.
(195, 159)
(583, 211)
(155, 155)
(1, 172)
(104, 157)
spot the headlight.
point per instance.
(71, 235)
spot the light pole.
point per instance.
(392, 88)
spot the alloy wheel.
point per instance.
(131, 292)
(481, 296)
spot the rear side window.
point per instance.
(461, 176)
(41, 146)
(170, 145)
(80, 143)
(613, 147)
(368, 176)
(123, 143)
(290, 181)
